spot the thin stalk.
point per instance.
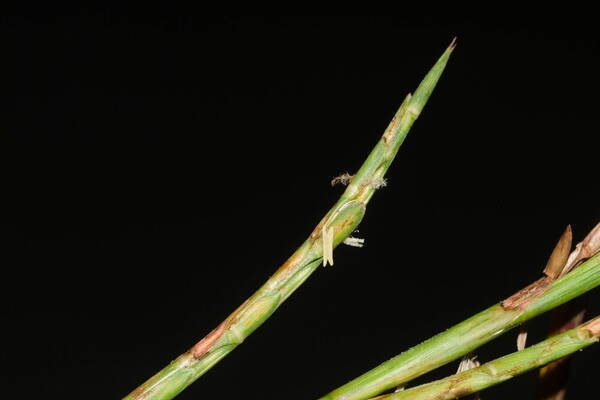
(505, 368)
(337, 224)
(537, 298)
(553, 378)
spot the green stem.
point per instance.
(505, 368)
(553, 378)
(543, 295)
(343, 218)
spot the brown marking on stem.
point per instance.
(290, 264)
(522, 298)
(455, 389)
(389, 132)
(347, 222)
(204, 346)
(560, 254)
(316, 233)
(455, 393)
(141, 392)
(393, 125)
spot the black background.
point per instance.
(157, 169)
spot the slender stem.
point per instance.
(553, 378)
(343, 218)
(537, 298)
(505, 368)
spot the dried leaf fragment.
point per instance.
(522, 338)
(584, 249)
(344, 179)
(354, 241)
(593, 327)
(327, 235)
(378, 183)
(560, 254)
(469, 361)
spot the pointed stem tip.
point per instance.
(453, 43)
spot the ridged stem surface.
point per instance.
(505, 368)
(343, 218)
(537, 298)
